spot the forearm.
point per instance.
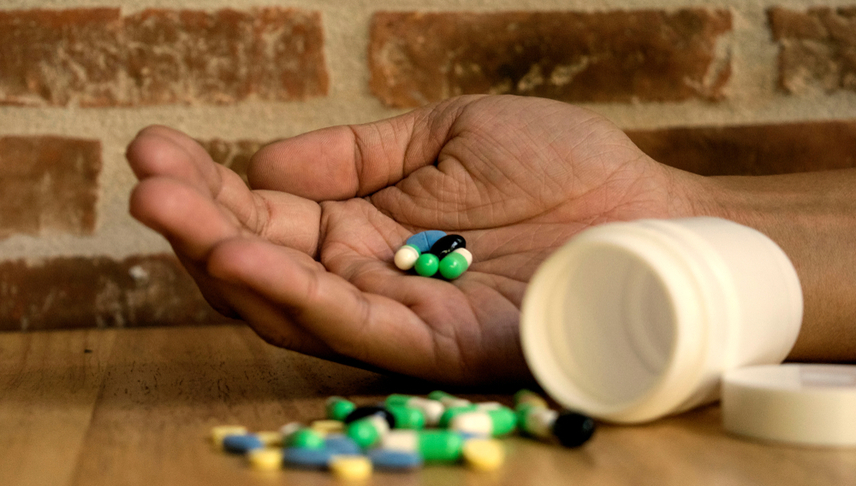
(812, 216)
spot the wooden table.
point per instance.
(134, 406)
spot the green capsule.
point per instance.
(453, 266)
(440, 445)
(453, 412)
(364, 432)
(448, 400)
(407, 417)
(305, 438)
(427, 265)
(504, 420)
(524, 397)
(338, 408)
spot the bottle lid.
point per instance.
(806, 404)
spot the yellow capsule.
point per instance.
(325, 427)
(483, 454)
(350, 468)
(220, 432)
(265, 459)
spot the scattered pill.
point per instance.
(528, 397)
(219, 432)
(427, 265)
(407, 417)
(573, 429)
(406, 257)
(368, 431)
(305, 438)
(325, 427)
(451, 412)
(440, 445)
(466, 254)
(306, 458)
(399, 461)
(447, 244)
(453, 266)
(448, 401)
(424, 240)
(240, 444)
(338, 408)
(489, 422)
(432, 409)
(265, 459)
(537, 421)
(350, 467)
(483, 454)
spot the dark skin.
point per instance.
(305, 255)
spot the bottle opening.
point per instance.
(619, 326)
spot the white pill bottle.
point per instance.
(632, 321)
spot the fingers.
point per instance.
(368, 327)
(343, 162)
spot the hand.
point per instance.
(305, 258)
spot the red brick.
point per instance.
(753, 149)
(96, 57)
(616, 56)
(78, 292)
(48, 185)
(234, 154)
(817, 48)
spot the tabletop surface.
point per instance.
(135, 406)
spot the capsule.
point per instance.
(573, 429)
(406, 257)
(448, 244)
(338, 408)
(407, 417)
(451, 412)
(491, 422)
(448, 401)
(466, 254)
(536, 421)
(305, 438)
(363, 412)
(528, 397)
(432, 409)
(453, 266)
(367, 432)
(427, 265)
(433, 445)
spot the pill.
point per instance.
(453, 266)
(452, 412)
(432, 409)
(536, 421)
(368, 411)
(407, 417)
(483, 454)
(265, 459)
(306, 458)
(573, 429)
(350, 467)
(305, 438)
(289, 428)
(432, 444)
(528, 397)
(368, 431)
(466, 254)
(494, 421)
(270, 438)
(406, 257)
(338, 408)
(424, 240)
(221, 431)
(341, 444)
(448, 401)
(447, 244)
(427, 265)
(239, 444)
(325, 427)
(400, 461)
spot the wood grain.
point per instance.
(133, 407)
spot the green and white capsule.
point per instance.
(432, 409)
(452, 412)
(528, 397)
(368, 431)
(486, 422)
(433, 445)
(338, 408)
(448, 401)
(536, 421)
(407, 417)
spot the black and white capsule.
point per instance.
(447, 244)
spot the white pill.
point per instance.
(406, 257)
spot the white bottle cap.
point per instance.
(808, 404)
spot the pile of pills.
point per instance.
(403, 433)
(431, 253)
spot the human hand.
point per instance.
(305, 258)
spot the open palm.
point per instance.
(305, 257)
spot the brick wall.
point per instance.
(730, 87)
